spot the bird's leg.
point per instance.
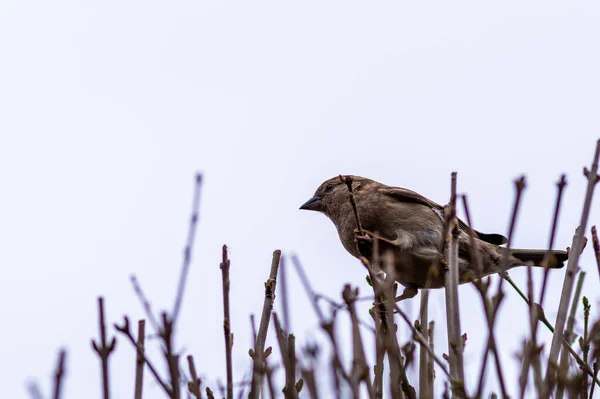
(409, 292)
(370, 235)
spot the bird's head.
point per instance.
(331, 195)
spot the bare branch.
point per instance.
(139, 364)
(59, 373)
(360, 368)
(259, 343)
(455, 349)
(126, 330)
(572, 264)
(570, 337)
(227, 323)
(424, 384)
(103, 349)
(187, 257)
(596, 245)
(194, 384)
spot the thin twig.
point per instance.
(491, 307)
(327, 325)
(455, 349)
(360, 368)
(227, 322)
(546, 263)
(430, 368)
(572, 264)
(565, 344)
(166, 333)
(307, 287)
(194, 384)
(584, 342)
(385, 293)
(424, 386)
(422, 340)
(348, 181)
(139, 364)
(187, 257)
(103, 349)
(519, 188)
(283, 289)
(596, 368)
(569, 336)
(269, 375)
(291, 389)
(34, 390)
(260, 339)
(308, 374)
(596, 245)
(126, 330)
(145, 303)
(288, 356)
(59, 373)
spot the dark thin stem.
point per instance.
(125, 330)
(103, 349)
(327, 325)
(59, 373)
(379, 357)
(227, 322)
(194, 384)
(560, 188)
(430, 369)
(288, 358)
(166, 333)
(348, 181)
(596, 368)
(187, 257)
(283, 289)
(424, 387)
(569, 336)
(420, 338)
(145, 303)
(596, 245)
(519, 188)
(290, 390)
(269, 375)
(307, 288)
(455, 349)
(139, 364)
(261, 337)
(360, 368)
(584, 342)
(490, 308)
(308, 374)
(385, 293)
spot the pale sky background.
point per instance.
(107, 109)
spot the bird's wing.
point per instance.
(405, 195)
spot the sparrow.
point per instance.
(411, 226)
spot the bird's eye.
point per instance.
(329, 187)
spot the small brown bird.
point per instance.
(412, 226)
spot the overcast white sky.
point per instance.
(107, 109)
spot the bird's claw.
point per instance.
(370, 236)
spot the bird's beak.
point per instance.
(313, 204)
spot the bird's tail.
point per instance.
(537, 256)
